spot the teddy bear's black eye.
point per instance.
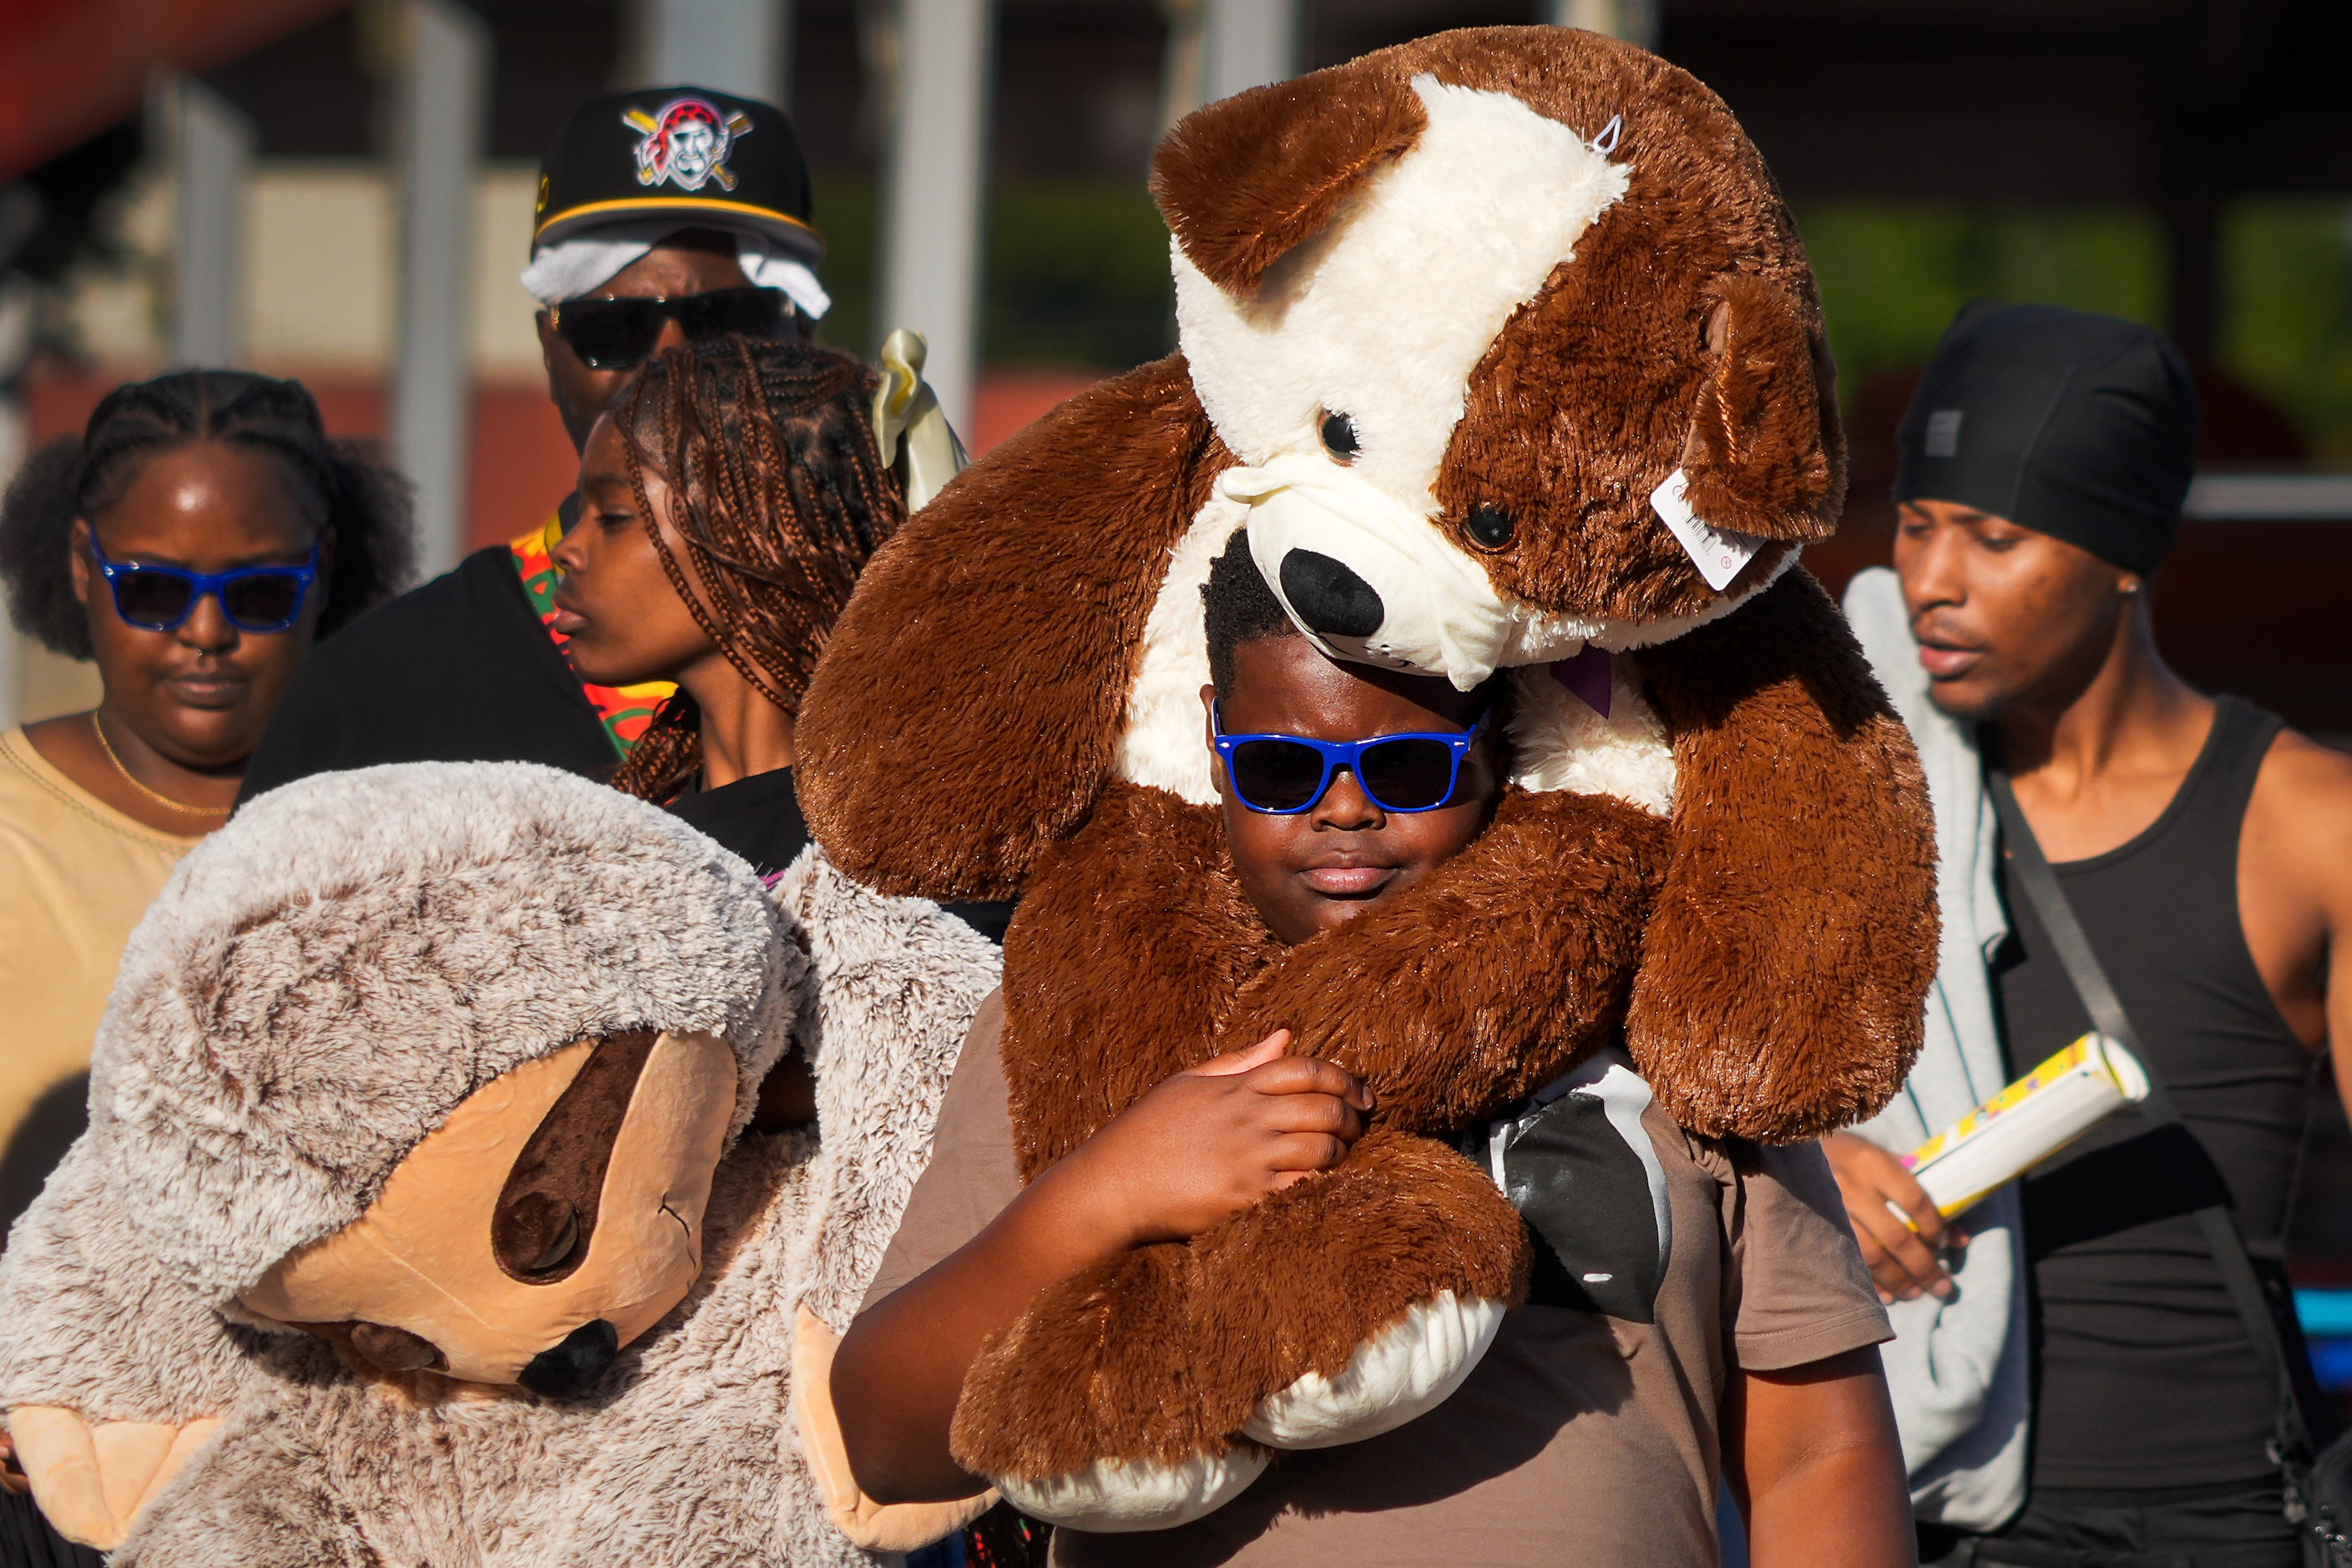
(1491, 526)
(1340, 435)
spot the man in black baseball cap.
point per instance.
(2123, 1406)
(663, 216)
(643, 164)
(637, 181)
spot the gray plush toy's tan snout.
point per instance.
(553, 1218)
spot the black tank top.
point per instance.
(2144, 1375)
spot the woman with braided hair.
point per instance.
(729, 498)
(193, 541)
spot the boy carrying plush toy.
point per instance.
(1501, 351)
(1694, 1301)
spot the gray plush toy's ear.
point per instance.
(112, 1372)
(88, 1322)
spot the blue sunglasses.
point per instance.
(1282, 776)
(162, 598)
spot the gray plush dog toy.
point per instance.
(418, 1221)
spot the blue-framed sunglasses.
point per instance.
(1282, 776)
(162, 598)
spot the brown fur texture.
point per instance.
(1759, 1014)
(1766, 454)
(1591, 393)
(1765, 952)
(997, 648)
(1120, 968)
(1464, 996)
(1167, 1351)
(1164, 1352)
(1124, 968)
(1242, 185)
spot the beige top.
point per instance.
(75, 876)
(1583, 1438)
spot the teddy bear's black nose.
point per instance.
(567, 1369)
(1330, 597)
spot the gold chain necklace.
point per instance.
(128, 777)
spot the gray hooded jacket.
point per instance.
(1958, 1366)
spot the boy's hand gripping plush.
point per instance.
(417, 1222)
(1505, 351)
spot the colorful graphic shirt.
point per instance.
(625, 710)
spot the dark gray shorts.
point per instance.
(2234, 1524)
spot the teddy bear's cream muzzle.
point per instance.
(1369, 580)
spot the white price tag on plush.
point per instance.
(1719, 552)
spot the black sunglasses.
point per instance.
(617, 334)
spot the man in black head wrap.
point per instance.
(2206, 852)
(2080, 430)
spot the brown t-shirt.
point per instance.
(1582, 1437)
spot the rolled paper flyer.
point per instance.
(2026, 1124)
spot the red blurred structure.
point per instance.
(72, 67)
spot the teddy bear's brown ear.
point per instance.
(1766, 454)
(969, 706)
(1246, 178)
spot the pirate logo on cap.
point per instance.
(686, 143)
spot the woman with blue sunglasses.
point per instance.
(191, 544)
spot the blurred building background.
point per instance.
(2187, 163)
(343, 192)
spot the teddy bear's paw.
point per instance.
(93, 1479)
(1406, 1370)
(1112, 1496)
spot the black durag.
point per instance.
(2080, 426)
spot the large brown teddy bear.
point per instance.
(1504, 349)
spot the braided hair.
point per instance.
(344, 486)
(779, 496)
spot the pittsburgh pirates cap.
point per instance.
(705, 158)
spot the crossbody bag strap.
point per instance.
(2223, 1238)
